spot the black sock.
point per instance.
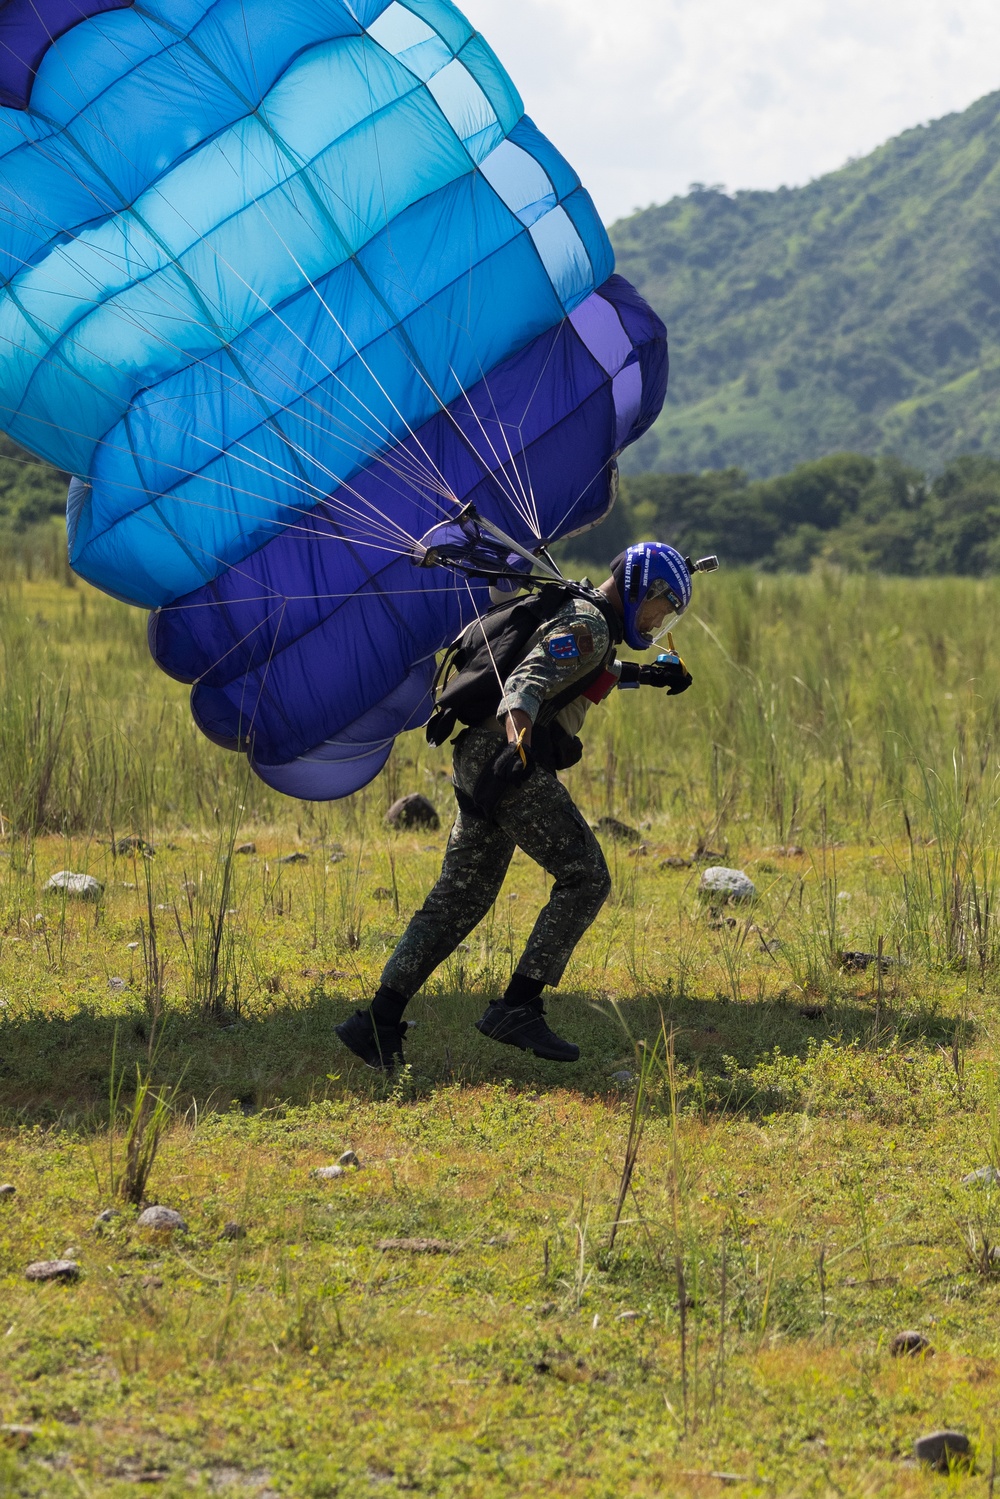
(522, 990)
(388, 1006)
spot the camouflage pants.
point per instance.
(539, 817)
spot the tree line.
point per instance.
(863, 514)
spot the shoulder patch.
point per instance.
(563, 647)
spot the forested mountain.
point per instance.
(860, 312)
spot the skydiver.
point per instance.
(523, 714)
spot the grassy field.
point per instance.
(676, 1267)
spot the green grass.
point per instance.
(795, 1196)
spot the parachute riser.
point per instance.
(464, 537)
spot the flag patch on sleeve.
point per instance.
(563, 647)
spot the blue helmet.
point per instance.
(649, 571)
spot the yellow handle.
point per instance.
(519, 741)
(673, 650)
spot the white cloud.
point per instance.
(645, 97)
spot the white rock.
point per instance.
(53, 1270)
(165, 1220)
(730, 884)
(329, 1173)
(83, 885)
(983, 1177)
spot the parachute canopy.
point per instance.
(287, 284)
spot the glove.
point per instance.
(670, 673)
(511, 766)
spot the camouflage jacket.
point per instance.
(566, 649)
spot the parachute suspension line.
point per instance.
(530, 511)
(569, 510)
(489, 648)
(293, 598)
(407, 346)
(354, 348)
(302, 169)
(245, 683)
(311, 513)
(392, 537)
(281, 605)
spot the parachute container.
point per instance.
(287, 284)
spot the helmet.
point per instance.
(648, 571)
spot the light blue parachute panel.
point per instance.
(286, 283)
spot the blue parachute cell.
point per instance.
(288, 283)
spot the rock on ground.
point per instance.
(82, 885)
(329, 1173)
(234, 1231)
(619, 831)
(721, 883)
(858, 962)
(413, 811)
(16, 1435)
(909, 1343)
(941, 1449)
(416, 1246)
(132, 844)
(983, 1176)
(8, 1190)
(53, 1270)
(165, 1220)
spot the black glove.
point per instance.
(511, 766)
(672, 675)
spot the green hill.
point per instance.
(860, 312)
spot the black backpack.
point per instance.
(468, 686)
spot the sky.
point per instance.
(646, 97)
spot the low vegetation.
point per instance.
(675, 1267)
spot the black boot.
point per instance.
(378, 1046)
(524, 1026)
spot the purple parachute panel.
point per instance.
(28, 28)
(289, 650)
